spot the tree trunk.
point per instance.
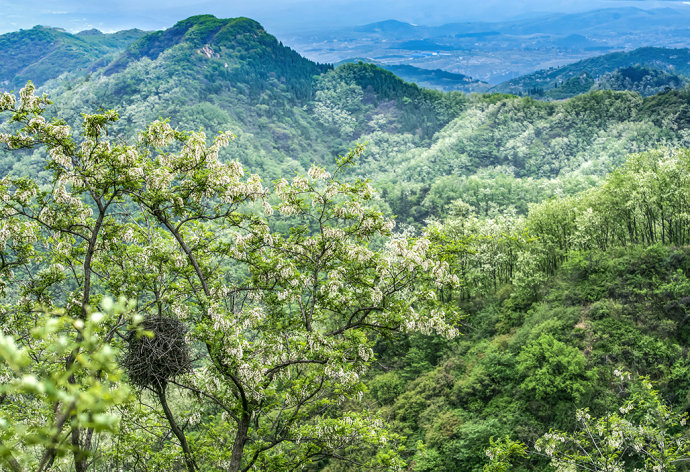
(177, 431)
(238, 445)
(80, 463)
(11, 462)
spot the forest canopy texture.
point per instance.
(477, 282)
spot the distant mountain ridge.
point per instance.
(43, 53)
(618, 19)
(230, 74)
(545, 22)
(388, 27)
(611, 20)
(581, 76)
(498, 51)
(429, 78)
(289, 112)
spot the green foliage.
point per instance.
(502, 453)
(41, 399)
(552, 370)
(434, 79)
(569, 255)
(543, 341)
(425, 148)
(285, 291)
(42, 53)
(644, 435)
(642, 80)
(507, 152)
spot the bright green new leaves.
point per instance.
(644, 202)
(645, 434)
(552, 370)
(65, 376)
(502, 453)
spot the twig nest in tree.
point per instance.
(153, 361)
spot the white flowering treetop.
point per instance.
(284, 291)
(643, 435)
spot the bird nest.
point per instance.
(153, 361)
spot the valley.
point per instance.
(497, 52)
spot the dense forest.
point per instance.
(647, 70)
(216, 254)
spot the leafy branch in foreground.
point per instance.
(41, 400)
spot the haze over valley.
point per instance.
(497, 51)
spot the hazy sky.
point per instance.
(282, 16)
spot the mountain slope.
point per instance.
(241, 43)
(425, 149)
(44, 53)
(601, 312)
(436, 78)
(587, 71)
(230, 74)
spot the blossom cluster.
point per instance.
(289, 318)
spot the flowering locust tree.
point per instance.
(645, 434)
(263, 304)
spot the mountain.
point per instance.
(230, 74)
(607, 21)
(655, 69)
(435, 79)
(43, 53)
(425, 149)
(393, 28)
(604, 22)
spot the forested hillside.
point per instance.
(557, 301)
(647, 71)
(44, 53)
(288, 112)
(429, 78)
(216, 254)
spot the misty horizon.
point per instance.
(293, 16)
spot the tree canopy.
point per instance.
(273, 298)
